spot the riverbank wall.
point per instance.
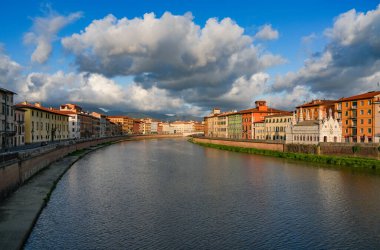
(324, 148)
(17, 171)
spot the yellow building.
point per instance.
(275, 126)
(44, 124)
(259, 130)
(124, 121)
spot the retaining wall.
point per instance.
(366, 150)
(15, 172)
(243, 144)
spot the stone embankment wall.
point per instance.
(15, 172)
(367, 150)
(324, 148)
(142, 137)
(244, 144)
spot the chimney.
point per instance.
(37, 104)
(261, 105)
(216, 111)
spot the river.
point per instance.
(172, 194)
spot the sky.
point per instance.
(186, 57)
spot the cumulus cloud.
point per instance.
(244, 89)
(266, 32)
(10, 71)
(171, 53)
(349, 63)
(44, 31)
(95, 89)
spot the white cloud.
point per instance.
(309, 38)
(171, 53)
(95, 89)
(349, 63)
(266, 32)
(10, 71)
(44, 32)
(245, 90)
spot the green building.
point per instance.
(234, 126)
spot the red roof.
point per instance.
(256, 110)
(317, 103)
(31, 106)
(367, 95)
(280, 115)
(119, 116)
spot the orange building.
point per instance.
(360, 116)
(199, 127)
(125, 122)
(311, 109)
(249, 116)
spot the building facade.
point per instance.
(311, 110)
(234, 126)
(44, 124)
(19, 125)
(249, 116)
(126, 123)
(314, 131)
(7, 126)
(259, 130)
(360, 116)
(275, 126)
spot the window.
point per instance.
(361, 130)
(369, 111)
(346, 131)
(346, 122)
(361, 121)
(362, 103)
(362, 112)
(346, 114)
(369, 121)
(369, 102)
(369, 130)
(346, 104)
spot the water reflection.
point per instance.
(169, 194)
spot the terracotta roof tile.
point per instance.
(31, 106)
(316, 103)
(367, 95)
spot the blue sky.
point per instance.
(301, 36)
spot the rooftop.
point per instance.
(367, 95)
(317, 103)
(33, 106)
(280, 115)
(7, 91)
(307, 123)
(256, 110)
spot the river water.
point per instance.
(171, 194)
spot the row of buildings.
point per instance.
(349, 119)
(26, 123)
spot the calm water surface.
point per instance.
(171, 194)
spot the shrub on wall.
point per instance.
(355, 149)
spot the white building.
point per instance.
(314, 131)
(154, 127)
(74, 125)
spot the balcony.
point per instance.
(354, 107)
